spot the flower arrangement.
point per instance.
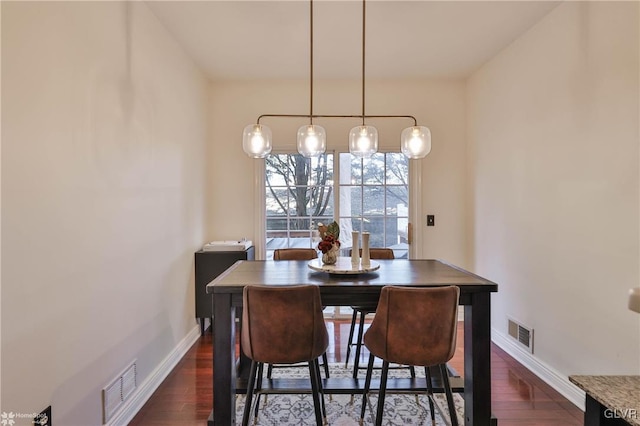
(329, 236)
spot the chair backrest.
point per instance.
(415, 326)
(284, 324)
(295, 254)
(378, 253)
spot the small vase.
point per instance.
(331, 257)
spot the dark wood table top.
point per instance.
(400, 272)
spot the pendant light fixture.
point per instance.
(311, 140)
(256, 140)
(363, 140)
(415, 142)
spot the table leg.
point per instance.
(224, 372)
(477, 361)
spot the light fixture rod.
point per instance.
(409, 117)
(311, 62)
(363, 61)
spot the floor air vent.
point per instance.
(524, 335)
(117, 392)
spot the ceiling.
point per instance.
(404, 39)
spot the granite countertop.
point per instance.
(619, 393)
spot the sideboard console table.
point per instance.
(208, 265)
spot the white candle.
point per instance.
(366, 261)
(355, 248)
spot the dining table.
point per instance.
(350, 289)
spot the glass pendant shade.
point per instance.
(363, 141)
(416, 142)
(256, 140)
(312, 140)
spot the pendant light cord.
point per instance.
(363, 61)
(311, 61)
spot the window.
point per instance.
(299, 194)
(372, 195)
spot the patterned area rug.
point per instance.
(400, 409)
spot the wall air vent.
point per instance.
(522, 334)
(116, 393)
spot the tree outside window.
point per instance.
(299, 194)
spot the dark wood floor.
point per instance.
(518, 396)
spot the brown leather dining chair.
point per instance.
(283, 325)
(413, 326)
(297, 254)
(363, 311)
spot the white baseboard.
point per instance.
(552, 377)
(149, 386)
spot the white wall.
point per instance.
(554, 184)
(436, 104)
(103, 171)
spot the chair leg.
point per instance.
(367, 385)
(356, 361)
(269, 371)
(354, 317)
(258, 389)
(325, 362)
(412, 371)
(447, 389)
(427, 375)
(249, 398)
(381, 392)
(315, 393)
(321, 388)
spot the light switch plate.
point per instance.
(431, 220)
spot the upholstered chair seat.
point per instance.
(297, 254)
(283, 325)
(413, 326)
(363, 311)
